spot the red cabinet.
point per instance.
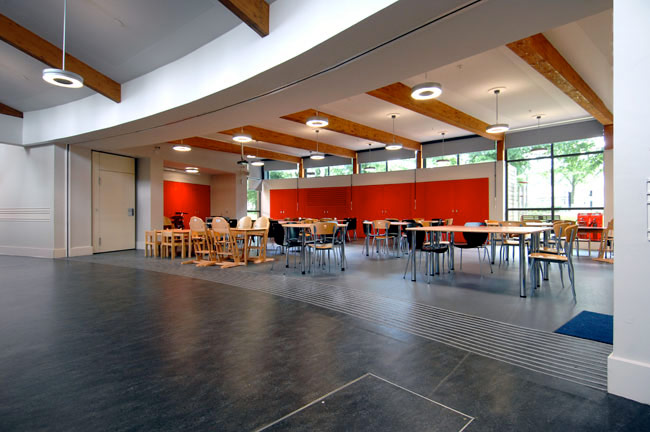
(284, 203)
(325, 202)
(381, 202)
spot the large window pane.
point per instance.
(579, 181)
(529, 184)
(253, 202)
(281, 174)
(341, 170)
(378, 166)
(317, 172)
(530, 152)
(529, 215)
(477, 157)
(579, 146)
(401, 164)
(440, 161)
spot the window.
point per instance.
(379, 166)
(556, 180)
(282, 174)
(253, 199)
(435, 162)
(401, 164)
(477, 157)
(316, 172)
(341, 170)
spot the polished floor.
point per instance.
(104, 343)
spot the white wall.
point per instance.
(460, 172)
(80, 202)
(27, 178)
(629, 364)
(608, 173)
(223, 195)
(11, 129)
(202, 179)
(148, 196)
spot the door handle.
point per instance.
(131, 212)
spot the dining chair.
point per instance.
(150, 244)
(257, 242)
(324, 234)
(245, 222)
(476, 241)
(381, 235)
(561, 259)
(221, 240)
(201, 244)
(508, 241)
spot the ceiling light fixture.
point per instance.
(317, 155)
(371, 168)
(426, 91)
(62, 77)
(394, 145)
(192, 170)
(317, 121)
(497, 127)
(539, 151)
(443, 162)
(242, 137)
(242, 162)
(181, 147)
(258, 162)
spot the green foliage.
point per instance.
(401, 164)
(576, 169)
(341, 170)
(478, 157)
(283, 174)
(253, 197)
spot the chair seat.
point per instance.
(549, 250)
(548, 257)
(511, 242)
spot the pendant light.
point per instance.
(394, 145)
(191, 170)
(317, 121)
(539, 151)
(371, 168)
(426, 90)
(317, 155)
(62, 77)
(181, 147)
(257, 162)
(443, 162)
(497, 127)
(242, 137)
(242, 162)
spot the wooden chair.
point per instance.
(561, 259)
(201, 244)
(606, 244)
(508, 241)
(167, 223)
(221, 240)
(245, 222)
(381, 234)
(258, 242)
(324, 234)
(151, 245)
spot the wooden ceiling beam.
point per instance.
(347, 127)
(255, 13)
(539, 53)
(7, 110)
(400, 95)
(210, 144)
(42, 50)
(279, 138)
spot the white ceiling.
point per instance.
(122, 39)
(586, 44)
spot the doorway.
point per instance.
(113, 202)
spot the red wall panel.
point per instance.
(186, 197)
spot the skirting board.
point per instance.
(628, 378)
(81, 251)
(31, 252)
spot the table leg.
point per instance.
(493, 246)
(413, 269)
(451, 251)
(522, 266)
(302, 250)
(345, 231)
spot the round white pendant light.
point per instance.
(394, 145)
(538, 151)
(62, 77)
(181, 147)
(497, 127)
(257, 163)
(426, 91)
(317, 121)
(317, 155)
(443, 162)
(242, 138)
(192, 170)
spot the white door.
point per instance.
(113, 202)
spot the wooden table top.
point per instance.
(246, 230)
(482, 229)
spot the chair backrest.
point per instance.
(352, 224)
(166, 221)
(419, 236)
(511, 223)
(474, 239)
(475, 224)
(380, 224)
(570, 232)
(558, 228)
(277, 231)
(449, 221)
(245, 222)
(324, 228)
(262, 222)
(219, 223)
(197, 224)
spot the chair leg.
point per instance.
(561, 274)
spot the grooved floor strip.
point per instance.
(576, 360)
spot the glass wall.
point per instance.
(401, 164)
(329, 171)
(556, 180)
(461, 159)
(282, 174)
(380, 166)
(253, 199)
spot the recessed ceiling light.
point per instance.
(192, 170)
(426, 91)
(181, 147)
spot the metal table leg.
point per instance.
(522, 266)
(345, 231)
(413, 269)
(302, 250)
(286, 239)
(451, 251)
(493, 246)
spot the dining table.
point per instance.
(246, 235)
(366, 244)
(521, 232)
(303, 227)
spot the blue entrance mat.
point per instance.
(590, 325)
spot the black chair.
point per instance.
(352, 227)
(277, 232)
(475, 241)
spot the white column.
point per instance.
(149, 196)
(608, 171)
(629, 364)
(80, 236)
